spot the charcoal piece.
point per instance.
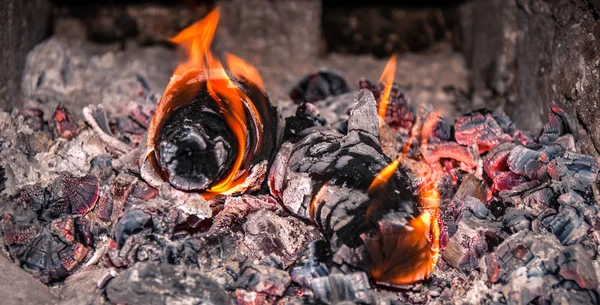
(79, 194)
(307, 115)
(318, 86)
(64, 228)
(532, 163)
(574, 265)
(505, 123)
(194, 155)
(66, 195)
(236, 210)
(104, 207)
(399, 114)
(339, 288)
(506, 181)
(143, 191)
(132, 222)
(472, 240)
(264, 279)
(516, 220)
(534, 198)
(160, 283)
(324, 176)
(450, 150)
(435, 129)
(568, 225)
(473, 207)
(575, 171)
(567, 142)
(201, 141)
(560, 122)
(313, 265)
(19, 231)
(193, 224)
(471, 186)
(497, 159)
(122, 187)
(266, 233)
(65, 124)
(534, 253)
(479, 128)
(45, 255)
(207, 251)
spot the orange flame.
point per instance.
(430, 122)
(241, 69)
(422, 242)
(387, 77)
(430, 202)
(196, 41)
(384, 175)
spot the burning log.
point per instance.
(328, 178)
(212, 132)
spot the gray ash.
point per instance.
(518, 214)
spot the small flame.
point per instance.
(241, 69)
(430, 122)
(430, 202)
(196, 41)
(387, 78)
(384, 175)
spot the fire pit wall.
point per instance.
(518, 56)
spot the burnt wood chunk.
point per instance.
(318, 86)
(323, 177)
(479, 127)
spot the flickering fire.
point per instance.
(196, 41)
(387, 78)
(425, 225)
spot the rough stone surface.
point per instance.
(22, 25)
(530, 52)
(18, 287)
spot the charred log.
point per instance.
(200, 141)
(323, 177)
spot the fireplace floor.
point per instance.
(529, 235)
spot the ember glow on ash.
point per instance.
(233, 104)
(387, 78)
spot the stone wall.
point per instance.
(525, 53)
(22, 25)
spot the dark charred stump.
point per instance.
(323, 176)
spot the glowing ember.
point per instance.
(387, 77)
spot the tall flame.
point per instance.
(196, 41)
(387, 78)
